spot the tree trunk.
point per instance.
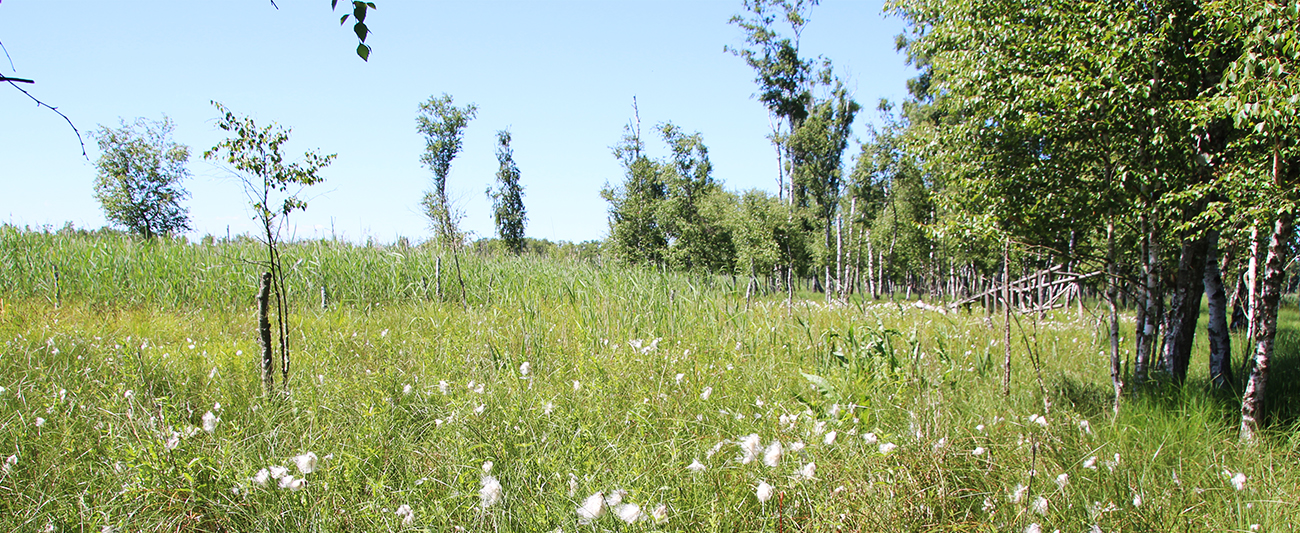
(1148, 325)
(264, 331)
(1252, 401)
(1252, 293)
(1184, 309)
(1217, 329)
(1006, 326)
(1111, 290)
(1239, 297)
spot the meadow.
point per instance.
(564, 395)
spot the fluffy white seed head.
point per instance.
(490, 494)
(764, 492)
(592, 508)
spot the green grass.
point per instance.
(172, 323)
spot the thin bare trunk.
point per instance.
(1217, 328)
(264, 331)
(1252, 401)
(1006, 332)
(1112, 280)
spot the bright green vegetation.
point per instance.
(148, 336)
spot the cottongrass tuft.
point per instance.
(1062, 480)
(261, 477)
(306, 462)
(772, 457)
(491, 493)
(1090, 463)
(487, 467)
(406, 514)
(629, 512)
(1239, 481)
(1040, 505)
(750, 445)
(40, 421)
(1034, 528)
(764, 492)
(830, 438)
(704, 394)
(525, 369)
(406, 389)
(887, 448)
(870, 438)
(592, 508)
(696, 466)
(809, 471)
(797, 447)
(9, 463)
(660, 514)
(979, 450)
(210, 422)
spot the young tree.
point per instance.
(635, 234)
(255, 153)
(508, 200)
(140, 175)
(443, 126)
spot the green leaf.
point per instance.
(823, 386)
(334, 4)
(343, 20)
(364, 52)
(359, 11)
(361, 30)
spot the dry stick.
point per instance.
(57, 296)
(464, 303)
(51, 108)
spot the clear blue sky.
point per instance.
(559, 74)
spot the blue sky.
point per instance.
(560, 75)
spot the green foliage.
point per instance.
(443, 126)
(359, 10)
(140, 170)
(508, 200)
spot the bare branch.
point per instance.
(56, 110)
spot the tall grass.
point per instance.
(602, 407)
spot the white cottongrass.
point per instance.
(548, 408)
(772, 457)
(615, 498)
(487, 467)
(172, 442)
(887, 448)
(1040, 420)
(870, 438)
(1062, 480)
(808, 471)
(292, 483)
(525, 369)
(704, 394)
(406, 389)
(1137, 499)
(306, 462)
(629, 512)
(490, 494)
(40, 421)
(660, 514)
(1019, 494)
(406, 514)
(764, 492)
(1239, 481)
(577, 385)
(592, 508)
(796, 447)
(278, 472)
(830, 438)
(979, 450)
(680, 376)
(696, 466)
(1040, 505)
(1034, 528)
(261, 477)
(1091, 463)
(9, 463)
(943, 443)
(715, 449)
(210, 422)
(750, 445)
(443, 386)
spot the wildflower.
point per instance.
(278, 472)
(210, 422)
(592, 508)
(1239, 481)
(772, 457)
(1040, 505)
(306, 462)
(40, 421)
(404, 511)
(1062, 480)
(261, 477)
(629, 512)
(750, 446)
(1091, 463)
(979, 450)
(807, 472)
(830, 438)
(704, 395)
(887, 448)
(525, 368)
(490, 494)
(696, 466)
(680, 377)
(406, 389)
(764, 492)
(870, 438)
(660, 514)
